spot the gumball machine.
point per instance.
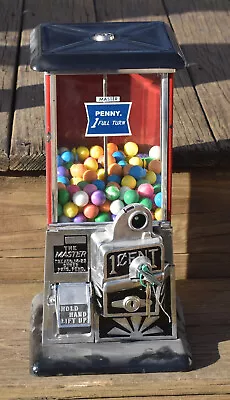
(109, 302)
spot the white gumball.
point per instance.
(155, 152)
(116, 206)
(80, 198)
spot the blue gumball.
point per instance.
(63, 179)
(119, 156)
(158, 200)
(60, 162)
(67, 156)
(137, 172)
(114, 178)
(158, 180)
(99, 183)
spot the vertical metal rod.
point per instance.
(53, 98)
(104, 85)
(164, 143)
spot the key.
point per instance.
(148, 299)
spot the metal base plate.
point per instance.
(115, 357)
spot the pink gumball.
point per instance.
(146, 190)
(90, 188)
(73, 189)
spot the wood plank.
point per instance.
(200, 221)
(193, 143)
(202, 29)
(208, 335)
(10, 21)
(27, 146)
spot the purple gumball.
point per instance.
(90, 188)
(62, 171)
(98, 198)
(80, 218)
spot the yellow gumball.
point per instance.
(70, 210)
(129, 181)
(136, 161)
(158, 214)
(82, 152)
(96, 152)
(101, 174)
(91, 164)
(151, 177)
(130, 149)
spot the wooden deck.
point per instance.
(201, 117)
(201, 197)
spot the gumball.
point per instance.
(146, 190)
(74, 152)
(114, 178)
(59, 210)
(82, 184)
(63, 219)
(155, 166)
(122, 163)
(157, 188)
(151, 177)
(116, 206)
(136, 161)
(126, 169)
(101, 173)
(63, 179)
(73, 189)
(158, 199)
(113, 184)
(61, 185)
(130, 149)
(129, 181)
(111, 148)
(89, 175)
(113, 216)
(75, 181)
(96, 152)
(115, 169)
(60, 162)
(90, 211)
(79, 218)
(105, 207)
(70, 209)
(123, 190)
(137, 172)
(103, 217)
(62, 171)
(69, 164)
(99, 184)
(155, 152)
(80, 198)
(77, 170)
(158, 214)
(119, 156)
(98, 198)
(146, 202)
(131, 196)
(67, 156)
(82, 152)
(90, 188)
(91, 164)
(112, 193)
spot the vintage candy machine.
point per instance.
(109, 302)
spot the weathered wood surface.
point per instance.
(194, 141)
(201, 223)
(27, 144)
(203, 30)
(10, 20)
(206, 307)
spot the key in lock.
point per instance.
(130, 303)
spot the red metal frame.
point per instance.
(170, 143)
(48, 150)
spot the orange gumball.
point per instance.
(77, 170)
(61, 185)
(115, 169)
(155, 166)
(111, 148)
(89, 175)
(90, 211)
(105, 207)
